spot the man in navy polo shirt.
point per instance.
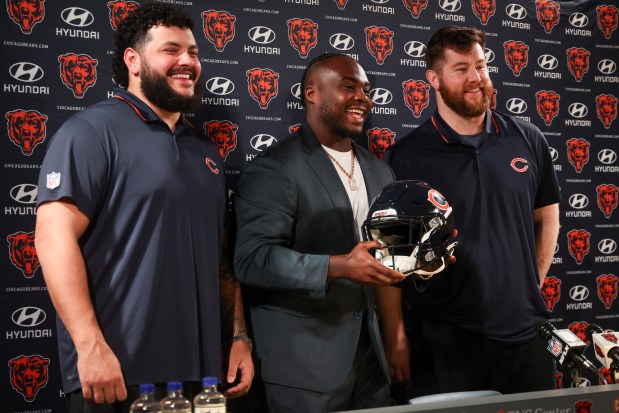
(129, 231)
(474, 327)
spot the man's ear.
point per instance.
(133, 61)
(432, 78)
(310, 93)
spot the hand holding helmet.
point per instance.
(414, 223)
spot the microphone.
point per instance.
(566, 347)
(605, 345)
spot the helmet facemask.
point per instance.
(412, 245)
(414, 224)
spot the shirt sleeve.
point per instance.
(548, 192)
(75, 167)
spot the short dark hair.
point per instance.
(132, 32)
(459, 39)
(314, 65)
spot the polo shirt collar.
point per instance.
(451, 137)
(142, 109)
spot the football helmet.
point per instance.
(414, 222)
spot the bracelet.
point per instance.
(245, 339)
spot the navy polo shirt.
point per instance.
(156, 204)
(493, 288)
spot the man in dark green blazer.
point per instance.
(299, 209)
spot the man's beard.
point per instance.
(156, 89)
(327, 114)
(455, 100)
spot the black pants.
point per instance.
(446, 358)
(365, 387)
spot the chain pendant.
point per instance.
(353, 184)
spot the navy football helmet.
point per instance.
(414, 222)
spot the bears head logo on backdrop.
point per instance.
(223, 133)
(484, 9)
(578, 244)
(302, 35)
(578, 153)
(547, 14)
(607, 19)
(416, 95)
(606, 109)
(578, 62)
(516, 55)
(607, 198)
(262, 85)
(341, 4)
(26, 13)
(579, 328)
(26, 129)
(379, 42)
(29, 375)
(78, 72)
(547, 105)
(379, 140)
(551, 291)
(219, 28)
(22, 252)
(607, 289)
(415, 6)
(119, 9)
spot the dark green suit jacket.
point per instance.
(293, 213)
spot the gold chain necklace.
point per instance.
(351, 180)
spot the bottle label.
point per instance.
(214, 409)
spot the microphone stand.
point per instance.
(575, 374)
(614, 372)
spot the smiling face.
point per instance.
(462, 82)
(165, 70)
(337, 96)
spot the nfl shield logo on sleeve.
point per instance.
(53, 180)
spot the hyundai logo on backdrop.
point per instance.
(26, 72)
(78, 17)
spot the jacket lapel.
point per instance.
(323, 169)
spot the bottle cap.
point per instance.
(209, 381)
(147, 388)
(174, 385)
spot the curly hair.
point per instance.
(459, 39)
(133, 32)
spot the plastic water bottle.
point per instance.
(146, 403)
(209, 400)
(175, 401)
